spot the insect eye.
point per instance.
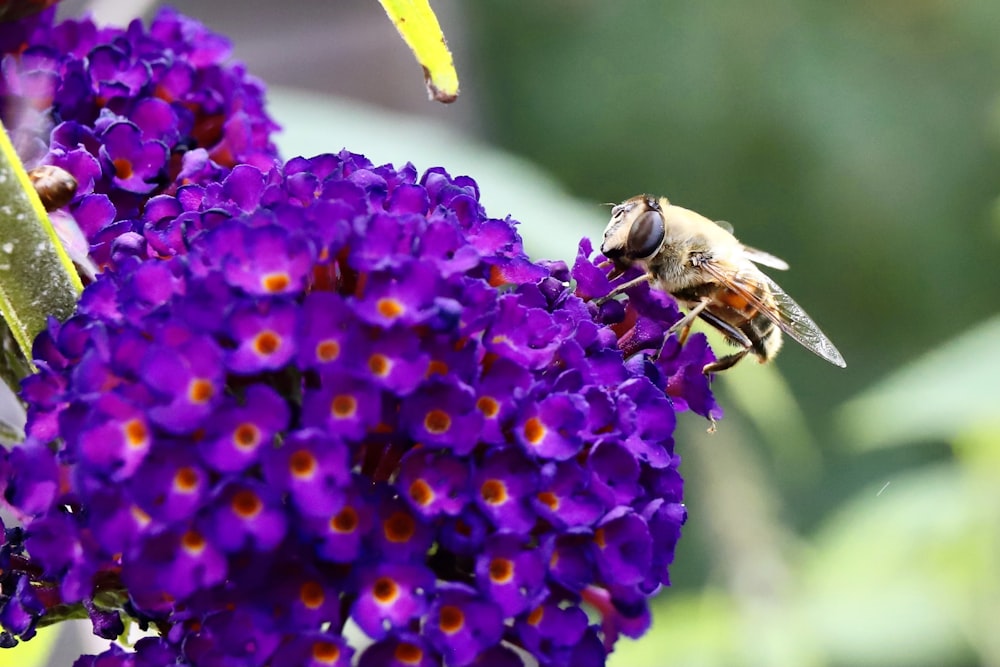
(646, 234)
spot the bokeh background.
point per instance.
(837, 517)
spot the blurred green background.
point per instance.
(837, 517)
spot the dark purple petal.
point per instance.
(313, 649)
(313, 469)
(400, 650)
(434, 482)
(344, 407)
(246, 515)
(443, 415)
(504, 485)
(391, 595)
(135, 165)
(624, 547)
(239, 431)
(460, 624)
(512, 573)
(551, 428)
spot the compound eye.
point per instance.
(646, 234)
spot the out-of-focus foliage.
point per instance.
(910, 406)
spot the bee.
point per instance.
(55, 186)
(701, 264)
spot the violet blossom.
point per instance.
(324, 392)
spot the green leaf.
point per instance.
(938, 396)
(905, 572)
(37, 278)
(419, 28)
(763, 396)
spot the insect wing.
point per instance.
(784, 312)
(765, 258)
(794, 321)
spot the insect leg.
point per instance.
(732, 333)
(735, 336)
(725, 362)
(621, 288)
(683, 325)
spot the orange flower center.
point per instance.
(267, 342)
(549, 499)
(385, 590)
(345, 521)
(344, 406)
(452, 619)
(302, 463)
(327, 350)
(123, 168)
(135, 433)
(488, 406)
(399, 527)
(311, 594)
(389, 308)
(246, 504)
(186, 479)
(534, 430)
(421, 493)
(276, 282)
(501, 570)
(325, 653)
(379, 365)
(193, 542)
(436, 367)
(437, 422)
(408, 654)
(200, 390)
(246, 436)
(494, 492)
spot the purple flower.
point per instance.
(434, 482)
(312, 468)
(241, 430)
(551, 427)
(461, 624)
(559, 636)
(391, 595)
(443, 414)
(349, 425)
(122, 109)
(399, 650)
(314, 649)
(245, 514)
(512, 573)
(322, 392)
(503, 485)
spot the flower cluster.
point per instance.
(130, 113)
(319, 413)
(344, 414)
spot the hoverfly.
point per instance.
(705, 268)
